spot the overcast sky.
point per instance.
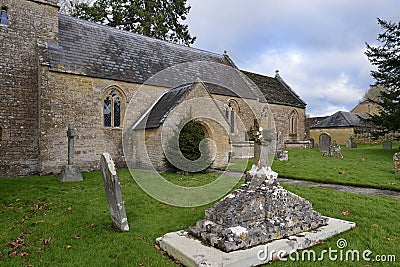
(317, 45)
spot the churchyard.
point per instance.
(45, 222)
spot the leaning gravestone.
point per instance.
(324, 142)
(350, 143)
(396, 161)
(387, 145)
(71, 172)
(114, 195)
(334, 151)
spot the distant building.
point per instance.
(340, 126)
(366, 107)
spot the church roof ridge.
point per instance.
(269, 86)
(121, 31)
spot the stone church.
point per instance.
(57, 70)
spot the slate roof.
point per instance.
(96, 50)
(165, 105)
(275, 90)
(169, 100)
(342, 119)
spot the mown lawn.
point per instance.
(47, 223)
(367, 165)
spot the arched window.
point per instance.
(293, 117)
(233, 107)
(4, 16)
(113, 107)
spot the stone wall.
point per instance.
(281, 116)
(30, 23)
(68, 98)
(340, 135)
(199, 105)
(367, 138)
(366, 107)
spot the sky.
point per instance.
(317, 45)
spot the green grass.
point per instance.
(367, 166)
(377, 220)
(190, 179)
(86, 227)
(75, 216)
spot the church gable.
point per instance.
(174, 97)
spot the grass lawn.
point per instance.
(47, 223)
(367, 165)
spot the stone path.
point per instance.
(337, 187)
(344, 188)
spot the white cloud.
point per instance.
(315, 77)
(318, 46)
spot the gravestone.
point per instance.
(350, 143)
(258, 212)
(71, 172)
(282, 155)
(396, 161)
(324, 142)
(312, 143)
(114, 194)
(387, 145)
(334, 151)
(279, 141)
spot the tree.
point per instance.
(190, 136)
(66, 6)
(155, 18)
(386, 57)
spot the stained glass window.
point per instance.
(4, 16)
(232, 121)
(233, 109)
(107, 112)
(113, 108)
(117, 112)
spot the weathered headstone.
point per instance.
(70, 172)
(312, 143)
(279, 141)
(282, 155)
(334, 151)
(396, 161)
(350, 143)
(258, 212)
(387, 145)
(324, 142)
(114, 194)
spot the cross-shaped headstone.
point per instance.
(70, 172)
(71, 135)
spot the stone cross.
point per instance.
(70, 172)
(114, 194)
(71, 135)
